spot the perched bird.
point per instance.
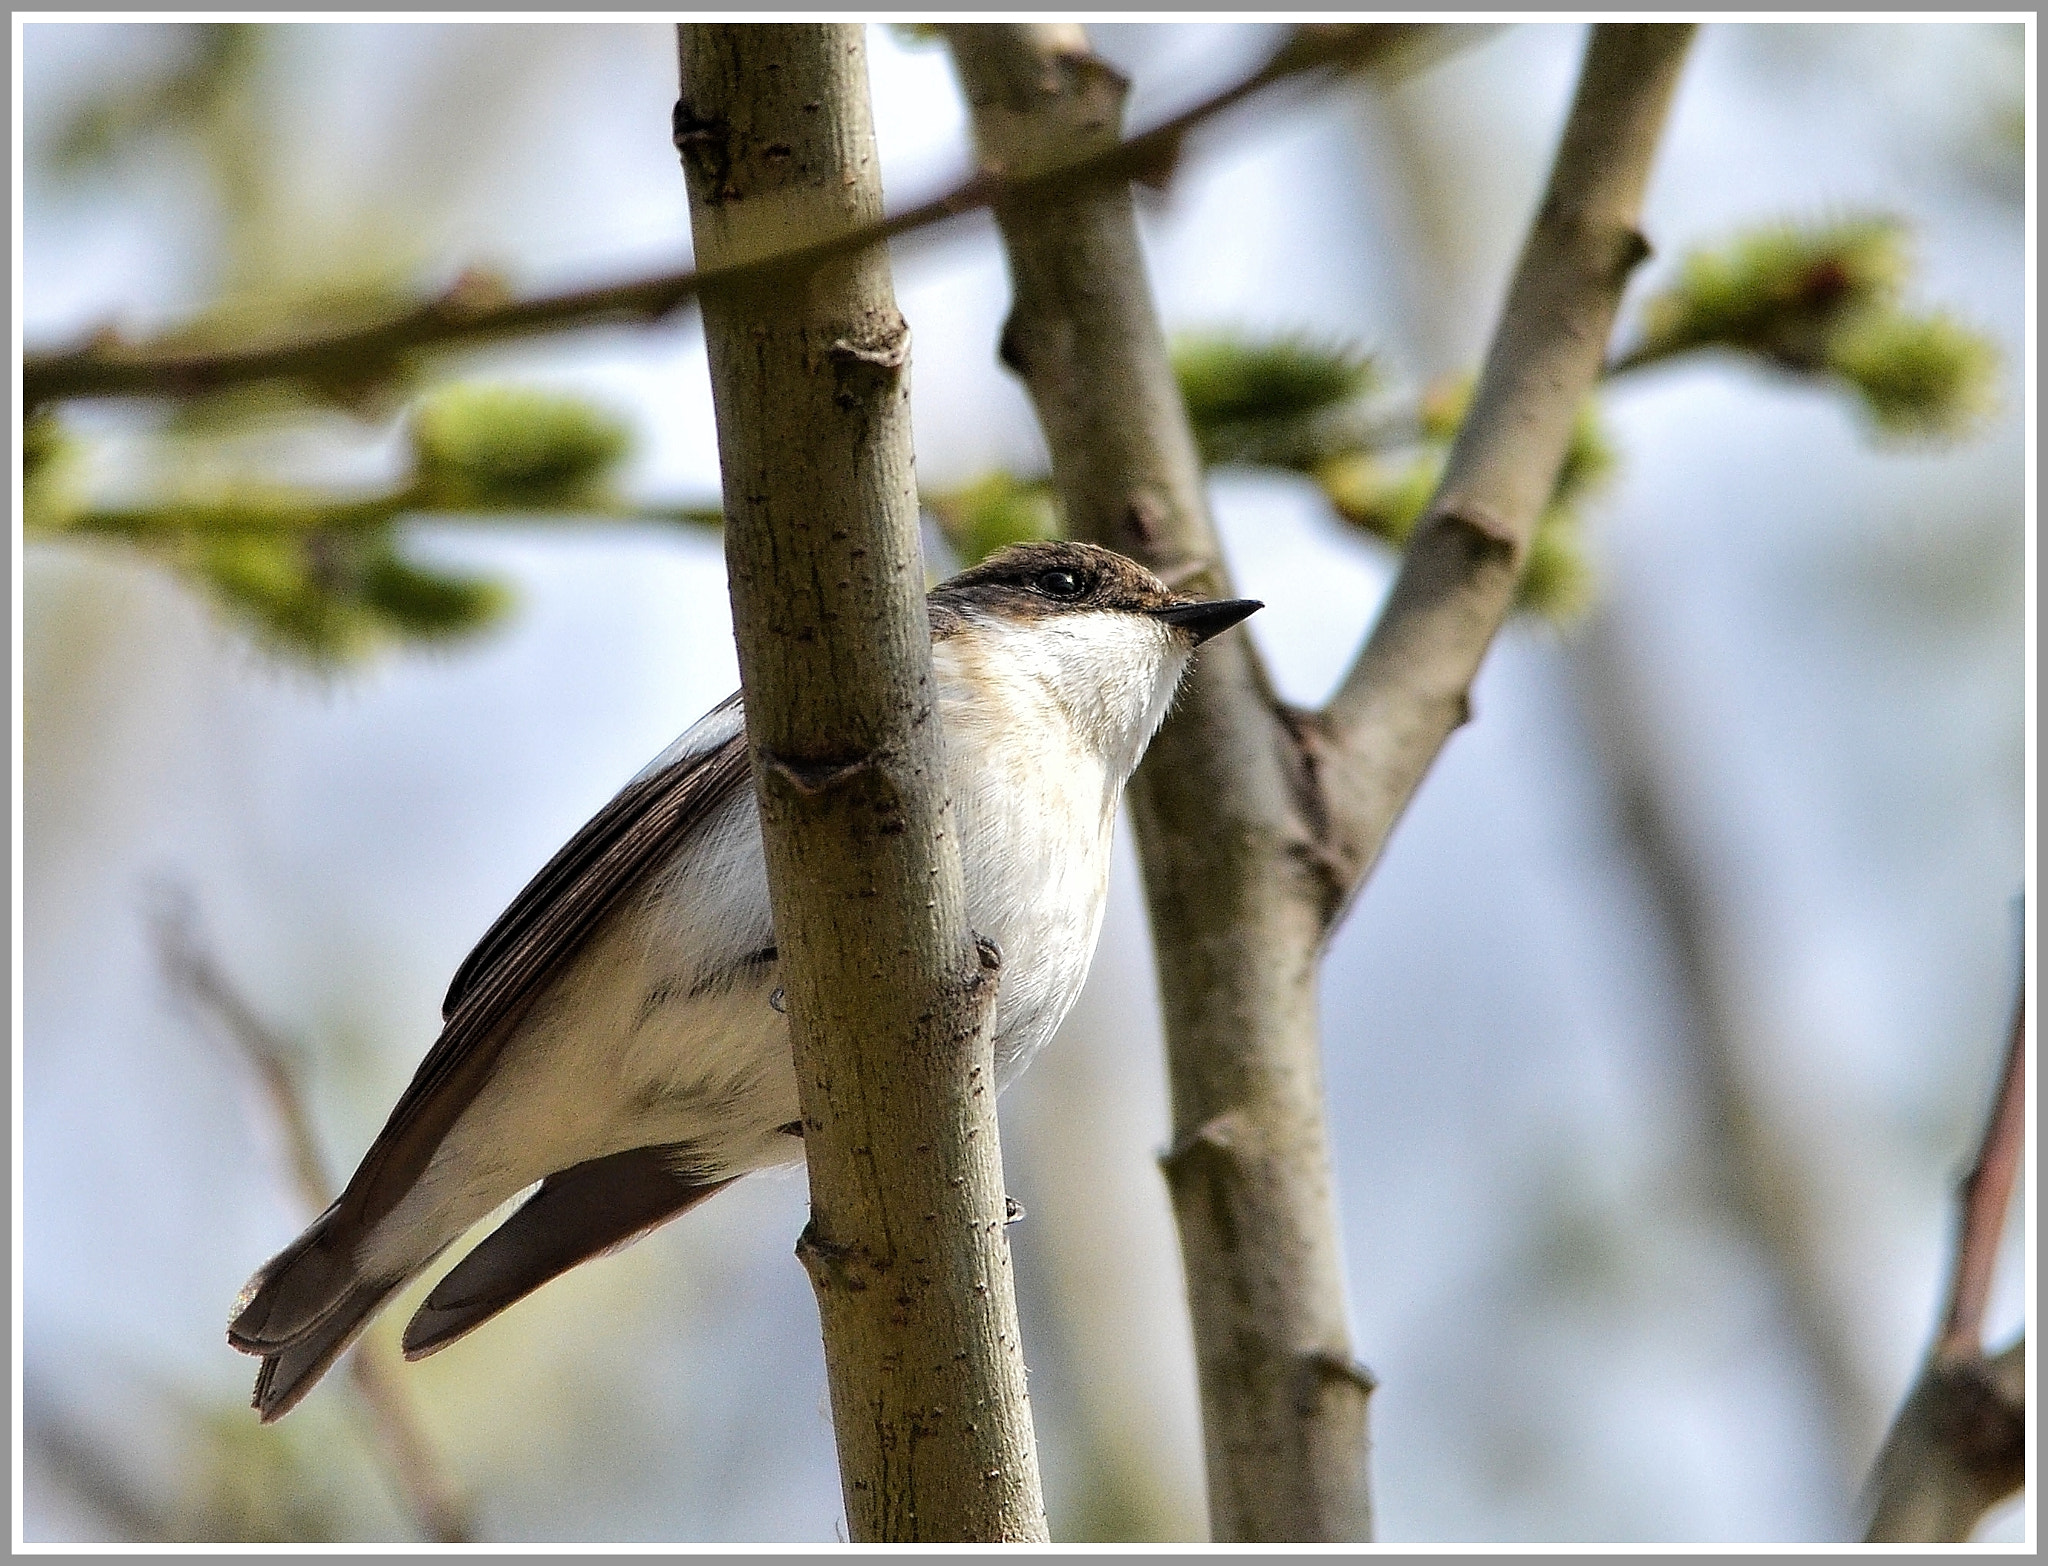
(617, 1035)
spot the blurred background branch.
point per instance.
(411, 1464)
(1827, 697)
(1752, 1170)
(351, 363)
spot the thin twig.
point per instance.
(1959, 1444)
(415, 1468)
(466, 315)
(1986, 1198)
(314, 515)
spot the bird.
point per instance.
(617, 1042)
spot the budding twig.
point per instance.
(468, 315)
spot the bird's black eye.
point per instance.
(1060, 583)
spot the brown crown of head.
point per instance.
(1057, 577)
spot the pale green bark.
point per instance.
(889, 999)
(1224, 842)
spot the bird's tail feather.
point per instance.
(296, 1289)
(303, 1309)
(289, 1373)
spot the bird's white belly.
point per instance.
(1036, 858)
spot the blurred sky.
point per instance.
(1573, 1341)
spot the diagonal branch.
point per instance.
(1986, 1197)
(1409, 689)
(1959, 1444)
(469, 314)
(1752, 1173)
(415, 1468)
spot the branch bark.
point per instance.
(473, 311)
(1959, 1444)
(1257, 822)
(1410, 687)
(889, 998)
(1222, 834)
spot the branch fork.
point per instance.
(1258, 822)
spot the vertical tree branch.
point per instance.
(889, 999)
(1959, 1444)
(1257, 823)
(1227, 848)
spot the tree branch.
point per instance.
(1409, 688)
(410, 1461)
(1987, 1197)
(889, 999)
(1752, 1173)
(1255, 822)
(472, 312)
(1959, 1444)
(1222, 838)
(302, 515)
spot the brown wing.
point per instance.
(576, 1214)
(576, 857)
(545, 925)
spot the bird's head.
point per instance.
(1101, 634)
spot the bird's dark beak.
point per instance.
(1204, 620)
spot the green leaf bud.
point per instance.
(1380, 497)
(50, 478)
(513, 448)
(425, 605)
(1557, 581)
(1780, 293)
(993, 511)
(333, 597)
(1267, 402)
(1918, 375)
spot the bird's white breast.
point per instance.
(1043, 723)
